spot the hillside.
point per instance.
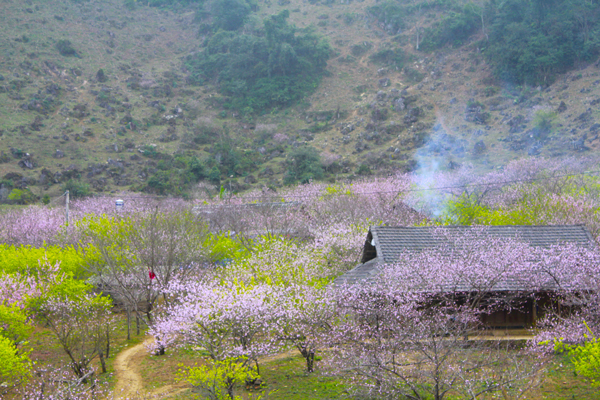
(106, 96)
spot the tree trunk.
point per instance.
(128, 324)
(257, 367)
(161, 348)
(102, 362)
(107, 342)
(230, 389)
(309, 356)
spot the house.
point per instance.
(385, 244)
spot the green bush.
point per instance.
(15, 368)
(544, 120)
(358, 50)
(21, 196)
(303, 165)
(77, 189)
(391, 57)
(65, 48)
(230, 14)
(532, 42)
(261, 71)
(391, 14)
(454, 29)
(26, 259)
(413, 74)
(586, 360)
(160, 183)
(363, 170)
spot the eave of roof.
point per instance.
(390, 242)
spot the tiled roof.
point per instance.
(385, 244)
(392, 241)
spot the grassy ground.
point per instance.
(562, 383)
(284, 374)
(46, 351)
(285, 378)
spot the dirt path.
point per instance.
(130, 384)
(129, 381)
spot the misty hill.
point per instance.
(160, 96)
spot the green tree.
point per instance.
(214, 176)
(303, 165)
(218, 380)
(76, 189)
(15, 368)
(262, 70)
(533, 41)
(21, 196)
(14, 324)
(230, 14)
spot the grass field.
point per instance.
(283, 374)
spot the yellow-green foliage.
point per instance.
(537, 206)
(281, 262)
(544, 120)
(217, 380)
(337, 189)
(27, 259)
(223, 247)
(466, 211)
(14, 324)
(109, 237)
(15, 368)
(586, 360)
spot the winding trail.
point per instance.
(129, 380)
(130, 384)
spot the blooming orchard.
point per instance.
(239, 277)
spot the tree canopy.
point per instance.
(270, 68)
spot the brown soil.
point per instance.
(130, 384)
(129, 381)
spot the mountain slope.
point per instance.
(99, 97)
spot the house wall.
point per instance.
(523, 313)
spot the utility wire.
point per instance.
(448, 187)
(395, 191)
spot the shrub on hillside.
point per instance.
(303, 165)
(266, 70)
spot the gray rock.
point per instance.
(562, 107)
(479, 147)
(385, 82)
(398, 104)
(26, 162)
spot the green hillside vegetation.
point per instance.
(161, 95)
(526, 42)
(532, 42)
(271, 67)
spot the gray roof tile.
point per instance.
(390, 242)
